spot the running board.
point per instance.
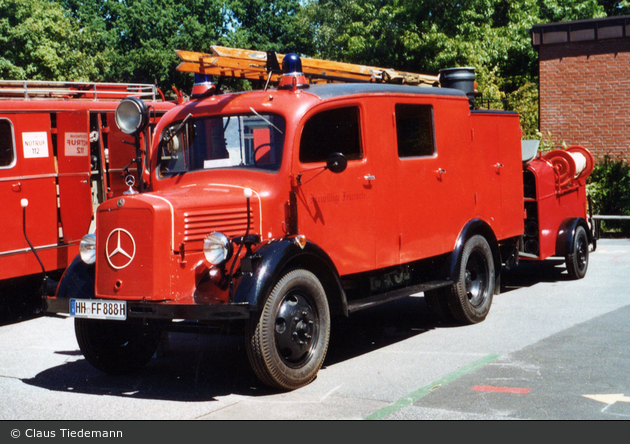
(381, 298)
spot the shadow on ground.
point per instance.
(202, 367)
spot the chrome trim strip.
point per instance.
(41, 247)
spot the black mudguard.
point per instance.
(475, 226)
(566, 235)
(77, 281)
(274, 259)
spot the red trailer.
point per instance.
(285, 206)
(61, 154)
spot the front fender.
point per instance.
(276, 258)
(77, 281)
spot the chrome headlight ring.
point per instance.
(132, 115)
(87, 248)
(217, 248)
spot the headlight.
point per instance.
(217, 248)
(87, 248)
(132, 115)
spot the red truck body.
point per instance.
(283, 207)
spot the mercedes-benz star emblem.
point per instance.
(120, 243)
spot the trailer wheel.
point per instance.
(116, 347)
(577, 262)
(470, 297)
(287, 344)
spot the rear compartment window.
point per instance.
(331, 131)
(414, 130)
(236, 141)
(7, 148)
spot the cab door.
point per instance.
(336, 211)
(75, 188)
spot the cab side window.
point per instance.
(332, 131)
(414, 130)
(7, 150)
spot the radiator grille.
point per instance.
(230, 221)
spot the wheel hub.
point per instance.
(476, 280)
(295, 330)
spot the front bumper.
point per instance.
(164, 310)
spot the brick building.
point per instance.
(585, 83)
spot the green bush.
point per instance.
(609, 190)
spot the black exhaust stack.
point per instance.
(460, 78)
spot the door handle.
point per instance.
(369, 178)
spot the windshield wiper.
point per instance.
(171, 134)
(258, 115)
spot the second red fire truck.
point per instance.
(286, 206)
(61, 154)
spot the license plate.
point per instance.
(98, 309)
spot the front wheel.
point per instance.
(470, 297)
(287, 344)
(577, 262)
(116, 347)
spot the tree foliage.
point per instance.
(428, 35)
(40, 41)
(135, 40)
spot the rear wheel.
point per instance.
(577, 262)
(470, 297)
(287, 344)
(116, 347)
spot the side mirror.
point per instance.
(336, 162)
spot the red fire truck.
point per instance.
(61, 154)
(286, 206)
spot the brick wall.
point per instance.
(585, 94)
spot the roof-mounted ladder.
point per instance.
(259, 65)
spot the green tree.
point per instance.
(428, 35)
(40, 41)
(140, 36)
(266, 25)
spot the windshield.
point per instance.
(236, 141)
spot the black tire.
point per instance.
(470, 297)
(287, 343)
(577, 262)
(116, 347)
(437, 304)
